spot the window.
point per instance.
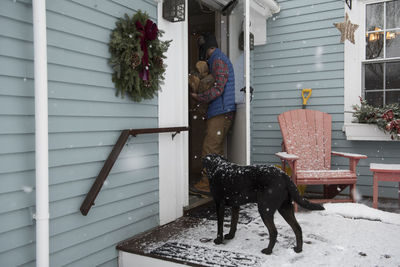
(381, 67)
(372, 64)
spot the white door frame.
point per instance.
(247, 77)
(238, 141)
(173, 112)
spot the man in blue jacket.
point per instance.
(221, 100)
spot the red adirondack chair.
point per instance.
(307, 148)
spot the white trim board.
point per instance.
(353, 55)
(172, 112)
(127, 259)
(365, 132)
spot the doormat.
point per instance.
(205, 256)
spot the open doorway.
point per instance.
(204, 17)
(175, 163)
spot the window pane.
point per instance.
(393, 97)
(374, 17)
(374, 98)
(393, 44)
(373, 76)
(374, 48)
(393, 14)
(393, 75)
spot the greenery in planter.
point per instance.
(137, 56)
(386, 118)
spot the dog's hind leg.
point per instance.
(234, 221)
(268, 220)
(287, 212)
(220, 219)
(267, 215)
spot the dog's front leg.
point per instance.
(220, 218)
(234, 221)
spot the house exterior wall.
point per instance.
(85, 120)
(303, 50)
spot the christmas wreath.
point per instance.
(387, 118)
(137, 56)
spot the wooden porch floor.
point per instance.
(160, 243)
(156, 243)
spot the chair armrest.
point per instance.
(349, 155)
(286, 156)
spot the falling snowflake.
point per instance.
(27, 189)
(319, 51)
(319, 66)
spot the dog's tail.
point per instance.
(294, 193)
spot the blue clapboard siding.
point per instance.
(85, 120)
(303, 50)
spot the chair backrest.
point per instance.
(307, 134)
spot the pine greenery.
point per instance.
(387, 118)
(124, 45)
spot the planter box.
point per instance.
(364, 131)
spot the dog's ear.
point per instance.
(211, 163)
(208, 161)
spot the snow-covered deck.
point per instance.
(343, 235)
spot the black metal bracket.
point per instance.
(348, 2)
(174, 134)
(251, 91)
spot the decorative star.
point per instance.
(347, 29)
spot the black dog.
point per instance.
(268, 186)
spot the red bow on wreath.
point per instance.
(149, 33)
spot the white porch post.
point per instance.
(41, 133)
(247, 77)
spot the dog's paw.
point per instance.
(218, 240)
(267, 251)
(297, 249)
(229, 236)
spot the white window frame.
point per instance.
(354, 56)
